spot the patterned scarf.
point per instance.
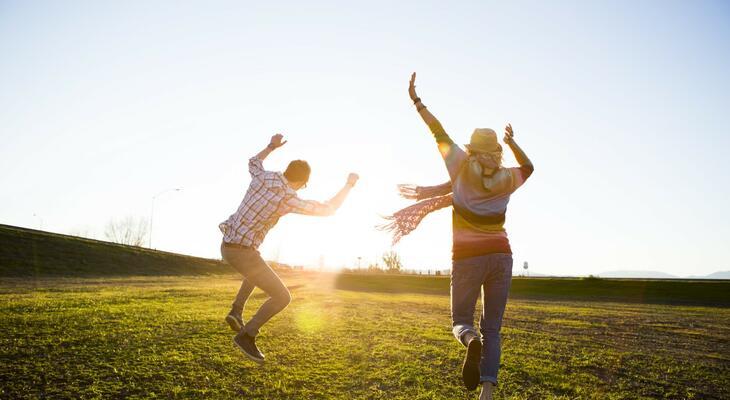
(430, 199)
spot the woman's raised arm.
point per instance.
(433, 124)
(452, 154)
(520, 156)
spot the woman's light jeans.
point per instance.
(491, 276)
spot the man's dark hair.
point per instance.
(298, 170)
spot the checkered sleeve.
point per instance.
(309, 207)
(255, 167)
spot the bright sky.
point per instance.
(622, 106)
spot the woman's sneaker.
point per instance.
(247, 344)
(235, 321)
(470, 368)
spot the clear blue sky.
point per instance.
(622, 106)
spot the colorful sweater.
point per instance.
(478, 213)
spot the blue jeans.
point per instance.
(256, 273)
(490, 275)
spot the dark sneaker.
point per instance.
(247, 344)
(235, 321)
(470, 368)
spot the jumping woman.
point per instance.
(478, 192)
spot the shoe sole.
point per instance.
(233, 323)
(470, 369)
(250, 356)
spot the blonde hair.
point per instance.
(497, 156)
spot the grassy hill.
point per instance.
(31, 253)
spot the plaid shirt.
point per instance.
(268, 197)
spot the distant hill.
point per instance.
(713, 293)
(31, 253)
(660, 275)
(637, 274)
(714, 275)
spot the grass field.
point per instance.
(164, 337)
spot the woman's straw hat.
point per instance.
(483, 140)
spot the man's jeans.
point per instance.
(256, 273)
(493, 274)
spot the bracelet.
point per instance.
(271, 146)
(416, 100)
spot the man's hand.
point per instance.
(352, 179)
(276, 141)
(412, 88)
(509, 135)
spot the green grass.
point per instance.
(164, 337)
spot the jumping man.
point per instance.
(269, 196)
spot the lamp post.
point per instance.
(152, 212)
(40, 224)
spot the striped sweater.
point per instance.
(478, 213)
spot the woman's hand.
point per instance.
(412, 88)
(509, 135)
(408, 191)
(276, 141)
(520, 156)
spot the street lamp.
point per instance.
(152, 212)
(40, 224)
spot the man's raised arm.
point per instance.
(336, 201)
(255, 163)
(310, 207)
